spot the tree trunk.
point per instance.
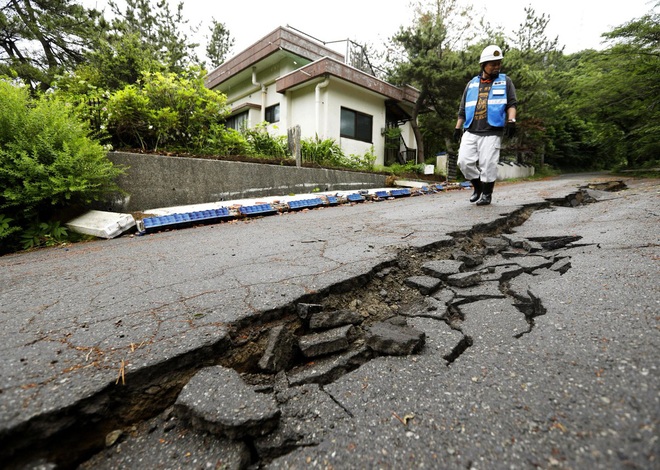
(415, 127)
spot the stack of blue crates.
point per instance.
(258, 209)
(400, 192)
(165, 222)
(305, 203)
(355, 198)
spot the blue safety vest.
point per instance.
(496, 101)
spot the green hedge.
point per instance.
(47, 165)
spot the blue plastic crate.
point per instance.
(256, 210)
(332, 200)
(186, 219)
(355, 198)
(400, 192)
(466, 184)
(382, 194)
(304, 203)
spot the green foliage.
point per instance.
(6, 227)
(399, 169)
(361, 162)
(261, 143)
(119, 61)
(325, 152)
(43, 234)
(222, 141)
(425, 60)
(165, 110)
(47, 161)
(43, 38)
(220, 43)
(160, 32)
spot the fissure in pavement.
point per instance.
(290, 354)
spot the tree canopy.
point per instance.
(42, 38)
(592, 109)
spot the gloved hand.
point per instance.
(510, 129)
(458, 133)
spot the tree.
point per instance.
(41, 38)
(159, 30)
(531, 61)
(425, 60)
(219, 44)
(630, 96)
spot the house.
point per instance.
(289, 79)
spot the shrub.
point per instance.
(166, 110)
(261, 143)
(47, 163)
(361, 162)
(322, 151)
(222, 141)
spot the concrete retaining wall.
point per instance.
(153, 181)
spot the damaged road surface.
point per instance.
(397, 334)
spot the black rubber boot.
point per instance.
(487, 194)
(476, 184)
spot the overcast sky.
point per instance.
(578, 23)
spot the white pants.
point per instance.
(479, 155)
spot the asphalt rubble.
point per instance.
(473, 348)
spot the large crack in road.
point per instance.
(283, 356)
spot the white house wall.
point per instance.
(248, 93)
(299, 107)
(302, 105)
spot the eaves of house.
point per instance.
(327, 66)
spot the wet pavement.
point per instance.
(549, 360)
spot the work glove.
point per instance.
(458, 133)
(510, 129)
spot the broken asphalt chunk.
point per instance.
(306, 310)
(554, 243)
(503, 273)
(323, 371)
(468, 279)
(217, 400)
(485, 290)
(469, 260)
(533, 262)
(394, 340)
(326, 342)
(424, 284)
(279, 350)
(333, 319)
(442, 268)
(494, 245)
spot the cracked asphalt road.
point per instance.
(92, 333)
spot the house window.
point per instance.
(356, 125)
(273, 113)
(238, 121)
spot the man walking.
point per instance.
(487, 111)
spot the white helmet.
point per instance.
(491, 53)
